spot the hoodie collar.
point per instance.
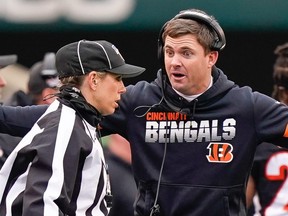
(192, 97)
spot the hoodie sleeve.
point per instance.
(271, 118)
(17, 121)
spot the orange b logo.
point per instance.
(220, 152)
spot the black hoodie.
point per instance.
(210, 145)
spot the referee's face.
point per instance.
(107, 93)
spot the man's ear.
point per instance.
(213, 57)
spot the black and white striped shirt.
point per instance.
(57, 169)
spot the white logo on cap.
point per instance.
(117, 51)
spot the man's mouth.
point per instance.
(178, 75)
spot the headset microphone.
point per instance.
(185, 111)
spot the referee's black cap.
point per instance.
(82, 57)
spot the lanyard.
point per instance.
(108, 197)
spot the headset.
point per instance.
(200, 16)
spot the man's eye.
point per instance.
(169, 52)
(187, 53)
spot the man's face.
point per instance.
(188, 67)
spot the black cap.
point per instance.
(82, 57)
(6, 60)
(43, 75)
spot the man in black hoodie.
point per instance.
(192, 131)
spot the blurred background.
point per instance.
(30, 28)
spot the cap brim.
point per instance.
(6, 60)
(128, 70)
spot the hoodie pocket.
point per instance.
(188, 200)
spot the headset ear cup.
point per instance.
(160, 50)
(217, 45)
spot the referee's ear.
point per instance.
(93, 80)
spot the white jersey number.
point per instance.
(276, 169)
